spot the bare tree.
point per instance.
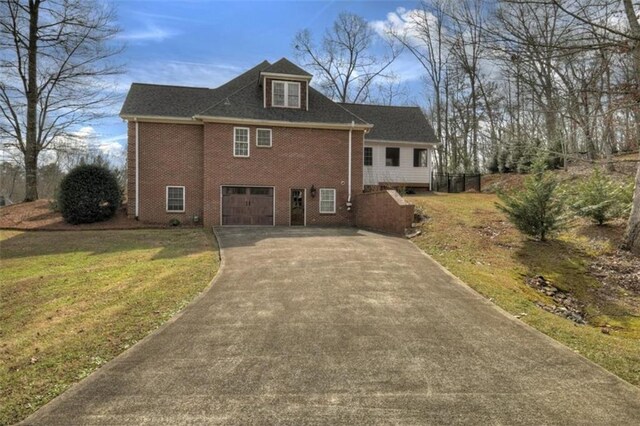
(627, 37)
(54, 57)
(344, 62)
(424, 39)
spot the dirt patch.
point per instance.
(618, 272)
(37, 215)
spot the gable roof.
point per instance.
(284, 66)
(395, 123)
(247, 103)
(240, 98)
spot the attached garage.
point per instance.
(243, 205)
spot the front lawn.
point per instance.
(71, 301)
(471, 238)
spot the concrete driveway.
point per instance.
(329, 326)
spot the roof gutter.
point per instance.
(279, 123)
(160, 119)
(433, 144)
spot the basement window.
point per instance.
(175, 199)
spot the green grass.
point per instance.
(71, 301)
(471, 238)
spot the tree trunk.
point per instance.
(632, 234)
(31, 148)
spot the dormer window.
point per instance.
(285, 94)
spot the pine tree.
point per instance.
(535, 210)
(599, 199)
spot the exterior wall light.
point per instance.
(312, 191)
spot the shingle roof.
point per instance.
(248, 103)
(284, 66)
(239, 98)
(242, 98)
(394, 123)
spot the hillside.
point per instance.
(624, 171)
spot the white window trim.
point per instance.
(364, 149)
(248, 142)
(270, 138)
(184, 198)
(320, 200)
(286, 93)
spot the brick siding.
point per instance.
(170, 154)
(298, 158)
(200, 158)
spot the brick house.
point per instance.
(264, 149)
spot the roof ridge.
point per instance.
(380, 105)
(171, 85)
(338, 104)
(224, 98)
(232, 93)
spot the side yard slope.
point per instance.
(471, 238)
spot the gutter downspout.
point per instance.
(349, 179)
(137, 169)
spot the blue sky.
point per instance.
(206, 43)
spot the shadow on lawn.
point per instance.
(169, 243)
(566, 265)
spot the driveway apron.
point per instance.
(341, 326)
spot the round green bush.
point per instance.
(89, 193)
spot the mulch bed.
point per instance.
(37, 216)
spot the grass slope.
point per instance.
(71, 301)
(471, 238)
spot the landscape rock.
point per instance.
(565, 305)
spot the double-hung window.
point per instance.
(285, 94)
(240, 142)
(392, 157)
(420, 157)
(368, 156)
(175, 199)
(327, 200)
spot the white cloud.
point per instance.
(408, 23)
(150, 32)
(178, 73)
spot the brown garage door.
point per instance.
(247, 205)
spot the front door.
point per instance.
(297, 207)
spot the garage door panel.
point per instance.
(247, 206)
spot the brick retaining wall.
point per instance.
(384, 211)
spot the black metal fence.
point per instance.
(455, 183)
